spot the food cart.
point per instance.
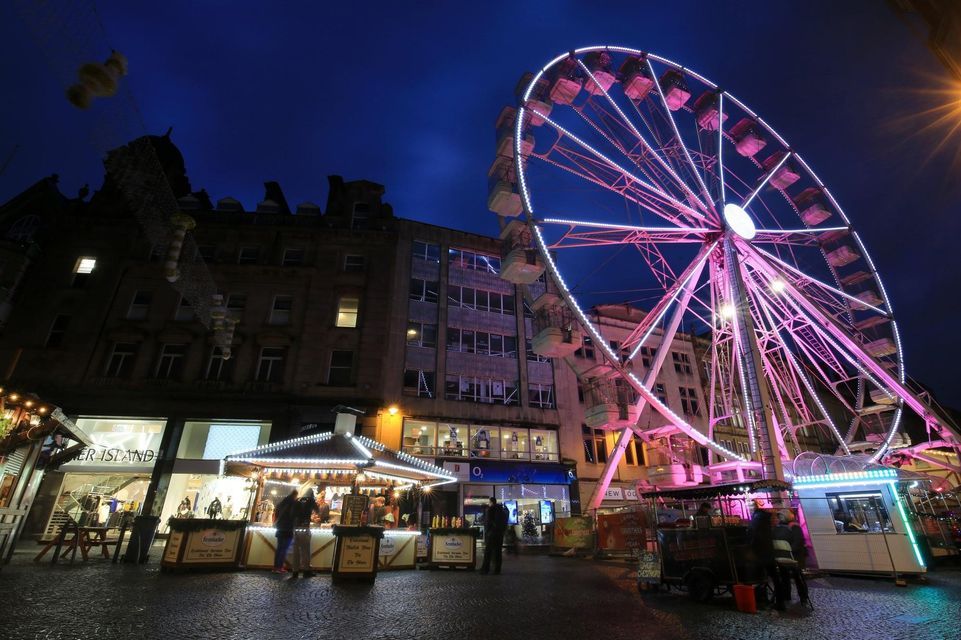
(705, 555)
(360, 482)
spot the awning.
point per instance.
(338, 453)
(715, 490)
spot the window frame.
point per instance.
(277, 355)
(342, 319)
(331, 367)
(170, 365)
(279, 316)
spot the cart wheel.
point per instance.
(700, 586)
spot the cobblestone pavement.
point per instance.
(536, 597)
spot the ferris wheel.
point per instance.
(640, 177)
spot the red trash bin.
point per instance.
(744, 598)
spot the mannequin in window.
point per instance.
(215, 510)
(185, 509)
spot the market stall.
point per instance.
(707, 553)
(358, 483)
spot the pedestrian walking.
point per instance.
(788, 531)
(495, 525)
(303, 510)
(284, 527)
(761, 539)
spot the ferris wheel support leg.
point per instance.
(752, 369)
(823, 323)
(645, 387)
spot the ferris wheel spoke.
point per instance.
(798, 372)
(720, 147)
(873, 369)
(626, 176)
(592, 234)
(802, 280)
(767, 178)
(793, 237)
(677, 134)
(641, 139)
(686, 282)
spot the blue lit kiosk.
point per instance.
(348, 471)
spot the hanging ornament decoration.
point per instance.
(182, 223)
(97, 80)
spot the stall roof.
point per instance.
(715, 490)
(339, 452)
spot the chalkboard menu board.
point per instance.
(354, 506)
(649, 567)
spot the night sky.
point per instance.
(408, 97)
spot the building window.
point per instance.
(421, 334)
(236, 303)
(139, 306)
(341, 368)
(120, 364)
(419, 383)
(57, 331)
(480, 300)
(280, 311)
(171, 362)
(82, 270)
(463, 259)
(586, 349)
(531, 356)
(360, 216)
(682, 363)
(355, 264)
(426, 251)
(270, 367)
(689, 401)
(184, 312)
(424, 290)
(486, 390)
(661, 393)
(248, 255)
(206, 253)
(293, 257)
(481, 342)
(419, 438)
(515, 444)
(544, 446)
(541, 395)
(348, 308)
(595, 445)
(217, 367)
(647, 356)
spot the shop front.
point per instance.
(108, 479)
(195, 487)
(535, 495)
(34, 436)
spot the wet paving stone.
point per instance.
(536, 597)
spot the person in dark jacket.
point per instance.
(495, 525)
(303, 510)
(789, 531)
(761, 539)
(284, 526)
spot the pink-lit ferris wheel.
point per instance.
(641, 178)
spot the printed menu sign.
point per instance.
(649, 567)
(356, 554)
(354, 506)
(452, 548)
(211, 545)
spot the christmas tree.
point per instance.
(529, 526)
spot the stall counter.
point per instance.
(397, 550)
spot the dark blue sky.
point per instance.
(408, 97)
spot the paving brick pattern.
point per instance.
(536, 597)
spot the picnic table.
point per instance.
(73, 537)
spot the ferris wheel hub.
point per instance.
(738, 221)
